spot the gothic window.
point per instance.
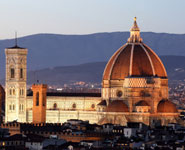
(13, 91)
(10, 91)
(37, 99)
(21, 107)
(54, 106)
(21, 73)
(10, 107)
(21, 92)
(12, 73)
(13, 107)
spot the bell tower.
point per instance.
(15, 84)
(39, 103)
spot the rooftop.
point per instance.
(70, 94)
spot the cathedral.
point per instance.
(134, 88)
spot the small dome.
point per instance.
(117, 106)
(165, 106)
(142, 103)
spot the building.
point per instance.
(134, 88)
(135, 83)
(15, 84)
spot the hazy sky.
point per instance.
(89, 16)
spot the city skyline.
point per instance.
(86, 17)
(81, 75)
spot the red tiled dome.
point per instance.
(134, 59)
(165, 106)
(117, 106)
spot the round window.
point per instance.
(74, 106)
(119, 93)
(92, 106)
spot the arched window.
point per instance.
(21, 73)
(10, 91)
(12, 73)
(22, 92)
(13, 91)
(37, 99)
(21, 107)
(54, 106)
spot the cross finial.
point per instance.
(135, 18)
(134, 33)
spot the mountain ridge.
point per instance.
(92, 72)
(50, 50)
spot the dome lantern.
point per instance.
(135, 33)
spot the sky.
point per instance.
(89, 16)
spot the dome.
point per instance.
(134, 59)
(142, 103)
(165, 106)
(117, 106)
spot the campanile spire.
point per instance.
(135, 33)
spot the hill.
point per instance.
(92, 72)
(50, 50)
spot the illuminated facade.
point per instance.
(39, 103)
(135, 83)
(134, 88)
(15, 85)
